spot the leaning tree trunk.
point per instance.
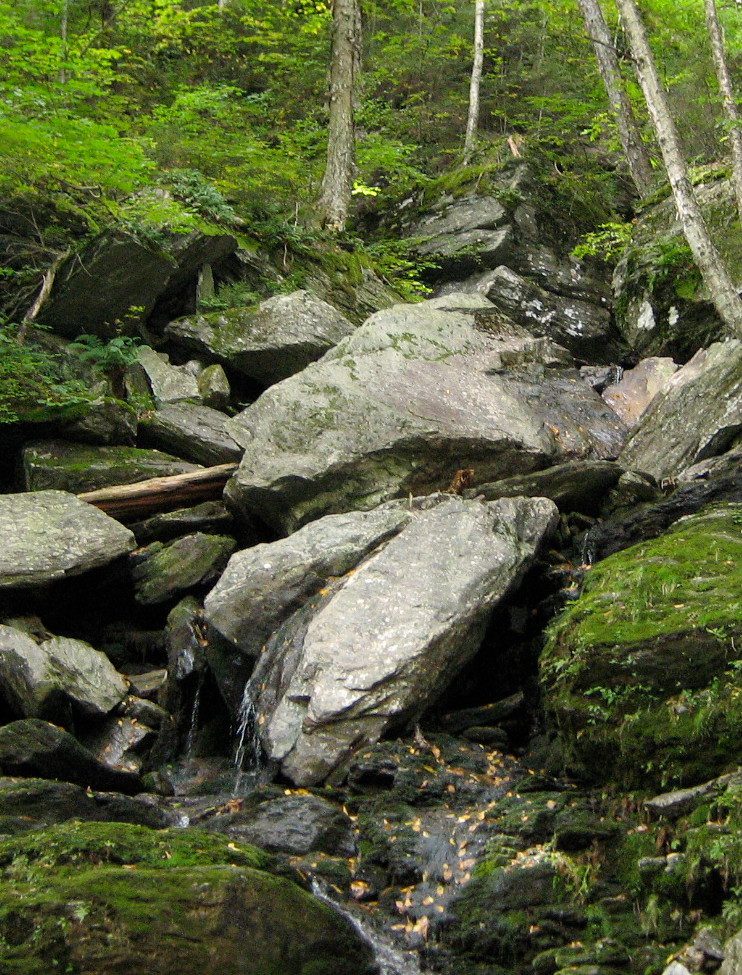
(633, 145)
(713, 270)
(472, 124)
(727, 95)
(337, 184)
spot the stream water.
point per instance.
(390, 960)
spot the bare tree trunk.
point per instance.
(713, 270)
(337, 183)
(472, 124)
(633, 145)
(64, 26)
(731, 111)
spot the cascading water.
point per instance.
(390, 960)
(248, 749)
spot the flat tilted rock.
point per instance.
(43, 676)
(584, 328)
(579, 485)
(63, 466)
(49, 535)
(416, 394)
(383, 633)
(37, 748)
(119, 278)
(697, 417)
(267, 343)
(192, 431)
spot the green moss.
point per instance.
(113, 897)
(687, 580)
(639, 673)
(121, 843)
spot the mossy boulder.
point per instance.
(639, 673)
(58, 465)
(663, 307)
(110, 898)
(163, 570)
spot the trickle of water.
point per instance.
(193, 725)
(587, 553)
(248, 738)
(390, 960)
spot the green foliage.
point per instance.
(36, 384)
(118, 353)
(235, 295)
(607, 243)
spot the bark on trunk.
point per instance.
(633, 145)
(161, 493)
(337, 184)
(713, 270)
(727, 95)
(472, 124)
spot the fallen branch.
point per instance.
(46, 286)
(161, 493)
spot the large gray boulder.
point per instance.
(43, 677)
(117, 279)
(50, 535)
(192, 431)
(586, 329)
(264, 585)
(267, 343)
(416, 394)
(378, 642)
(698, 416)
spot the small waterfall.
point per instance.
(193, 724)
(587, 549)
(391, 960)
(248, 738)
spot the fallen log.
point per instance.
(161, 493)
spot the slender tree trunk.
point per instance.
(472, 124)
(633, 145)
(337, 183)
(731, 111)
(715, 274)
(64, 26)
